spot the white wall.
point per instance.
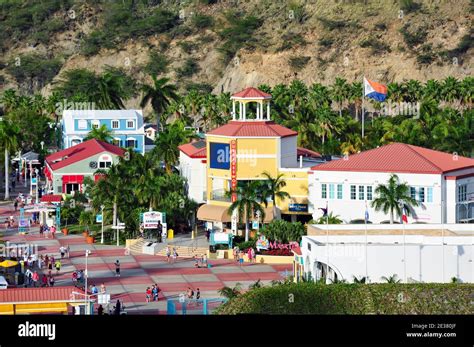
(348, 209)
(424, 257)
(288, 151)
(194, 171)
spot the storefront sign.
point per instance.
(151, 219)
(233, 168)
(262, 243)
(234, 219)
(298, 208)
(277, 245)
(219, 156)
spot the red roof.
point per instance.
(196, 149)
(251, 93)
(38, 294)
(51, 198)
(80, 152)
(399, 157)
(307, 153)
(253, 129)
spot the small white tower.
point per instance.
(249, 95)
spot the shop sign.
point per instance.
(298, 208)
(233, 168)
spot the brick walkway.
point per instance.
(141, 271)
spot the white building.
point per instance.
(126, 126)
(192, 166)
(443, 183)
(420, 253)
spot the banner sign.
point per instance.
(234, 219)
(298, 208)
(262, 243)
(233, 168)
(219, 156)
(98, 218)
(151, 219)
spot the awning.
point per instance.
(213, 213)
(73, 179)
(40, 307)
(6, 309)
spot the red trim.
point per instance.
(454, 178)
(73, 179)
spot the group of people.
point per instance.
(193, 295)
(239, 255)
(152, 293)
(45, 230)
(171, 255)
(200, 261)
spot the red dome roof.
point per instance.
(251, 93)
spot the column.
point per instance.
(245, 111)
(260, 106)
(240, 110)
(268, 110)
(258, 112)
(233, 109)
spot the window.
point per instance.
(462, 192)
(353, 193)
(339, 191)
(429, 194)
(324, 193)
(131, 143)
(116, 142)
(130, 124)
(361, 193)
(413, 193)
(95, 124)
(331, 191)
(369, 193)
(104, 164)
(82, 124)
(421, 194)
(115, 124)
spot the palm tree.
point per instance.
(393, 197)
(329, 219)
(160, 94)
(9, 134)
(272, 189)
(450, 89)
(9, 100)
(340, 92)
(414, 90)
(247, 203)
(101, 133)
(166, 144)
(229, 292)
(361, 280)
(391, 279)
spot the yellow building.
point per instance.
(246, 147)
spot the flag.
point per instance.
(366, 213)
(374, 90)
(325, 210)
(404, 216)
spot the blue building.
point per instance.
(127, 127)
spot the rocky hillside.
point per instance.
(229, 44)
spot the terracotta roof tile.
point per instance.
(399, 157)
(196, 149)
(253, 129)
(307, 153)
(37, 294)
(251, 93)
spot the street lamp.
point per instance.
(42, 145)
(85, 281)
(102, 212)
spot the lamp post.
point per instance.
(42, 145)
(102, 236)
(85, 281)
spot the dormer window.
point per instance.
(130, 124)
(115, 124)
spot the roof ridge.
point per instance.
(412, 148)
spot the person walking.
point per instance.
(204, 260)
(68, 251)
(249, 254)
(44, 281)
(254, 256)
(241, 258)
(100, 310)
(117, 268)
(57, 265)
(168, 253)
(62, 250)
(198, 294)
(102, 289)
(74, 278)
(175, 254)
(147, 294)
(94, 290)
(35, 278)
(15, 204)
(154, 292)
(51, 281)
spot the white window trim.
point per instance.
(112, 124)
(131, 138)
(104, 161)
(81, 121)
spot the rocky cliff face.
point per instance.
(314, 41)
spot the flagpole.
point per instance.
(366, 253)
(442, 239)
(363, 106)
(327, 243)
(404, 248)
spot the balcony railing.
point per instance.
(219, 195)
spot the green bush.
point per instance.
(187, 46)
(157, 64)
(408, 6)
(283, 231)
(189, 68)
(413, 37)
(291, 41)
(341, 298)
(298, 63)
(243, 246)
(326, 41)
(202, 21)
(376, 45)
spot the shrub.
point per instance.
(290, 41)
(187, 46)
(243, 246)
(408, 6)
(189, 68)
(326, 41)
(376, 45)
(342, 298)
(157, 64)
(298, 63)
(280, 252)
(331, 25)
(283, 231)
(414, 38)
(202, 21)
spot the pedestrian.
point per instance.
(254, 256)
(100, 310)
(62, 250)
(29, 277)
(249, 254)
(94, 290)
(168, 253)
(53, 230)
(198, 294)
(190, 293)
(51, 281)
(158, 290)
(44, 281)
(40, 262)
(196, 262)
(236, 253)
(160, 230)
(41, 230)
(14, 185)
(241, 258)
(74, 278)
(154, 292)
(68, 250)
(102, 288)
(15, 204)
(175, 254)
(147, 294)
(35, 278)
(117, 268)
(57, 265)
(117, 308)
